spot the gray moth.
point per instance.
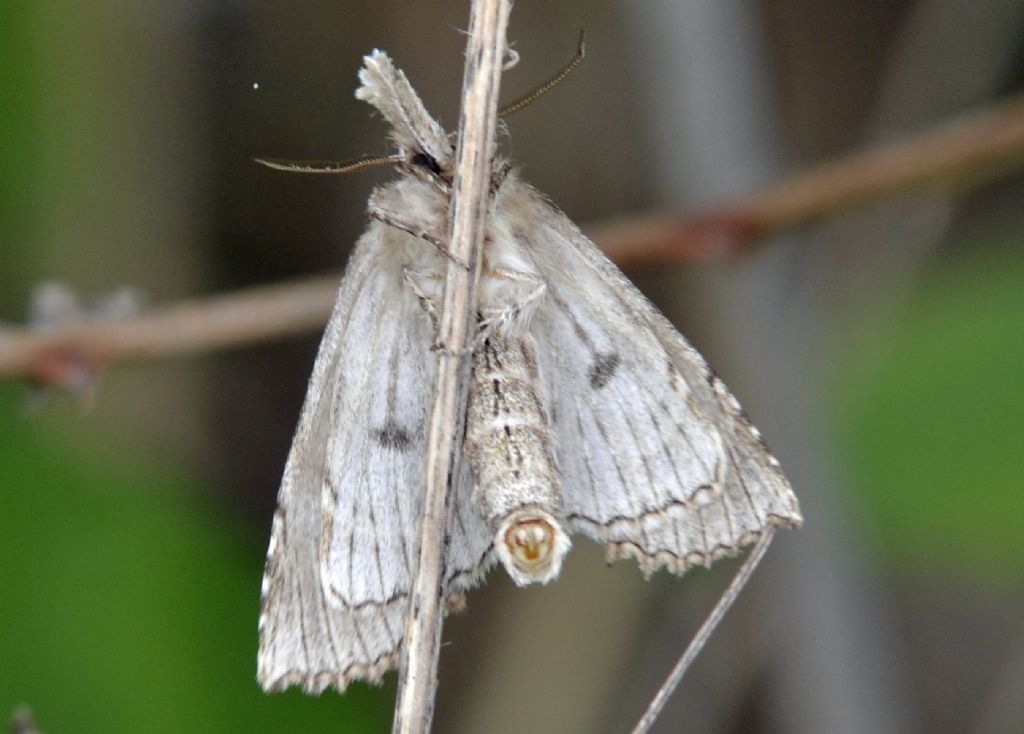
(588, 412)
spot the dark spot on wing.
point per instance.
(394, 437)
(603, 369)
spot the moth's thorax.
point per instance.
(509, 446)
(408, 215)
(511, 286)
(412, 200)
(502, 248)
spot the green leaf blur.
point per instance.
(127, 605)
(932, 417)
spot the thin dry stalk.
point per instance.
(700, 639)
(485, 51)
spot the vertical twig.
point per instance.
(700, 639)
(417, 683)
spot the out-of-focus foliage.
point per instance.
(19, 147)
(933, 413)
(129, 604)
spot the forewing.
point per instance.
(336, 586)
(658, 460)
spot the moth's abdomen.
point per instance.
(508, 443)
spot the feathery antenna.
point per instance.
(550, 84)
(280, 164)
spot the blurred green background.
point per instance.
(133, 532)
(130, 598)
(931, 413)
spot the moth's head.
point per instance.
(423, 145)
(428, 164)
(531, 544)
(424, 149)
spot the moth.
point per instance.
(588, 412)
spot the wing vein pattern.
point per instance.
(658, 460)
(338, 569)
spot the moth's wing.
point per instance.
(657, 459)
(337, 580)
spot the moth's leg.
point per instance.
(499, 176)
(517, 276)
(515, 295)
(426, 286)
(395, 219)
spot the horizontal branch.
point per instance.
(245, 317)
(956, 155)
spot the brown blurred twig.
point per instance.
(959, 154)
(257, 314)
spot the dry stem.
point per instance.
(485, 51)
